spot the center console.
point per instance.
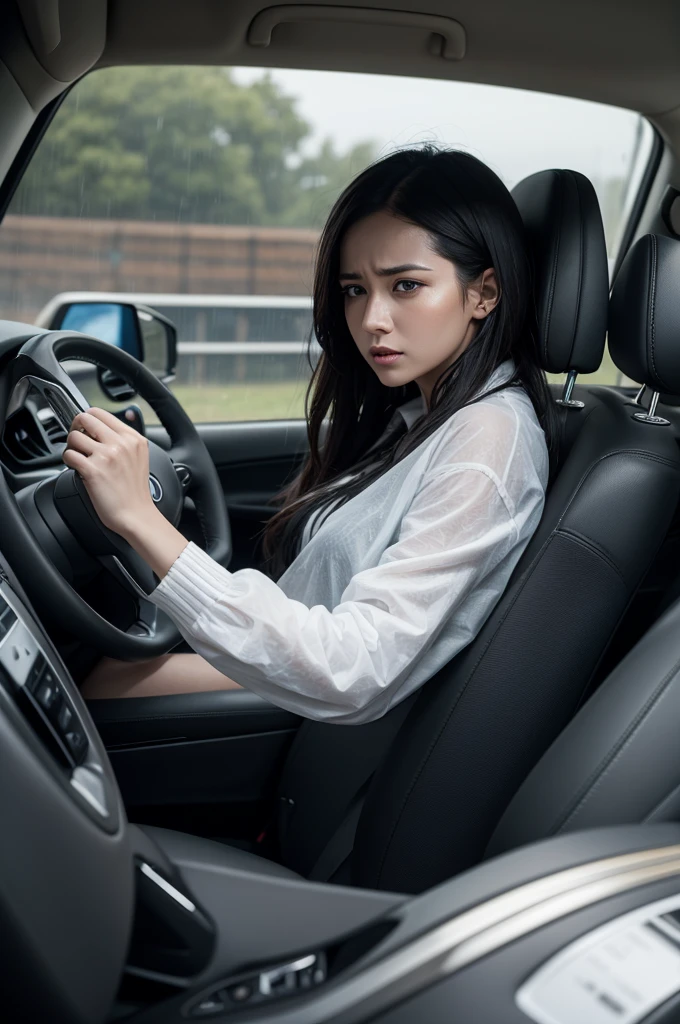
(582, 928)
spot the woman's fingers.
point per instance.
(94, 426)
(75, 460)
(80, 442)
(111, 421)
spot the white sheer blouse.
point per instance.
(392, 584)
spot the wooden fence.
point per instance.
(41, 256)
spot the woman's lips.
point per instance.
(386, 358)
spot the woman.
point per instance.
(397, 538)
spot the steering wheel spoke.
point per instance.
(132, 572)
(36, 366)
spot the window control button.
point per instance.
(49, 697)
(305, 979)
(64, 718)
(241, 992)
(76, 742)
(34, 676)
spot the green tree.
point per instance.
(183, 144)
(321, 178)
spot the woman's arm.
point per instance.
(351, 663)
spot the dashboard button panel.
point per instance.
(38, 689)
(287, 979)
(36, 683)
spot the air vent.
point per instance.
(24, 438)
(52, 427)
(27, 447)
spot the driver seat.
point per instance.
(413, 798)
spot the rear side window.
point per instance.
(201, 192)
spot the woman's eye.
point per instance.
(351, 291)
(409, 286)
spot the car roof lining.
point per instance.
(624, 54)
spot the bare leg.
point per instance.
(171, 673)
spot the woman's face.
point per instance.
(403, 297)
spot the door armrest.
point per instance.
(137, 721)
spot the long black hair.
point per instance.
(473, 221)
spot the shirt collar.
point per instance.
(416, 407)
(500, 375)
(412, 410)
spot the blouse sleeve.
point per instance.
(339, 665)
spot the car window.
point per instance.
(201, 191)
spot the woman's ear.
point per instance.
(484, 294)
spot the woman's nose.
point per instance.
(377, 319)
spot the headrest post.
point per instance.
(649, 416)
(638, 398)
(566, 400)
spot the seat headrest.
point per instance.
(564, 227)
(644, 314)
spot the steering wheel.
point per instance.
(52, 536)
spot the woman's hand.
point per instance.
(113, 461)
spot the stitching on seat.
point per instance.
(651, 321)
(652, 302)
(659, 805)
(579, 295)
(596, 549)
(610, 759)
(553, 270)
(529, 574)
(619, 451)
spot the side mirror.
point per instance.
(139, 330)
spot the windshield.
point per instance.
(201, 192)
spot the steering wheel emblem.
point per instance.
(155, 488)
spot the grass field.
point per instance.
(269, 400)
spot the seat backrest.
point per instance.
(447, 765)
(617, 761)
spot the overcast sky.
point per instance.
(516, 132)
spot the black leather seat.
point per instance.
(617, 761)
(427, 784)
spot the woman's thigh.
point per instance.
(171, 673)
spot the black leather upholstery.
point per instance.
(644, 322)
(618, 761)
(562, 219)
(479, 726)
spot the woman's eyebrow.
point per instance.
(385, 271)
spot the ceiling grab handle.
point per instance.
(447, 38)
